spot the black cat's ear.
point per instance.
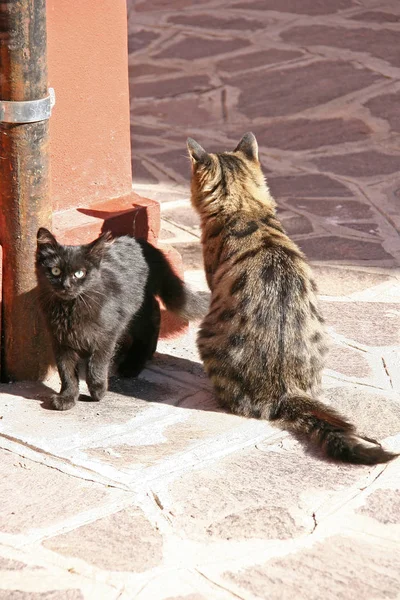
(196, 152)
(248, 145)
(97, 248)
(45, 238)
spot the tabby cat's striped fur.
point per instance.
(263, 340)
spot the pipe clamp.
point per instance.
(30, 111)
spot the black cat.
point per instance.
(99, 303)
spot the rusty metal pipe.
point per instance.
(25, 203)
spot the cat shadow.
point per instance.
(46, 402)
(183, 385)
(172, 380)
(167, 379)
(37, 390)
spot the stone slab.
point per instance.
(376, 16)
(308, 134)
(306, 7)
(206, 21)
(123, 541)
(349, 361)
(340, 567)
(128, 404)
(293, 223)
(361, 164)
(307, 186)
(344, 249)
(247, 496)
(379, 325)
(383, 505)
(192, 47)
(170, 440)
(382, 43)
(167, 88)
(140, 39)
(313, 87)
(53, 595)
(343, 281)
(376, 413)
(36, 498)
(385, 106)
(334, 210)
(251, 60)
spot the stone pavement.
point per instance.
(156, 494)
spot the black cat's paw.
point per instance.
(62, 402)
(97, 392)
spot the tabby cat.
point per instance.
(263, 340)
(99, 303)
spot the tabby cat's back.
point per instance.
(263, 340)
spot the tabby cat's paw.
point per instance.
(62, 402)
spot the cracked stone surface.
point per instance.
(156, 493)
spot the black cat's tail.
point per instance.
(325, 428)
(175, 294)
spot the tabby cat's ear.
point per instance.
(97, 248)
(45, 238)
(196, 152)
(248, 145)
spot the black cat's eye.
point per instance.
(80, 274)
(56, 271)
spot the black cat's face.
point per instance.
(69, 270)
(66, 269)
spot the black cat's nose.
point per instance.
(67, 284)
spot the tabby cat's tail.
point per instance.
(176, 295)
(321, 425)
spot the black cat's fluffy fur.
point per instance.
(99, 301)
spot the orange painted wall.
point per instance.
(90, 124)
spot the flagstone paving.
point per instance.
(155, 493)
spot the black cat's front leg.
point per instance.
(97, 372)
(67, 364)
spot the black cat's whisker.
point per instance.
(80, 297)
(98, 300)
(86, 302)
(89, 298)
